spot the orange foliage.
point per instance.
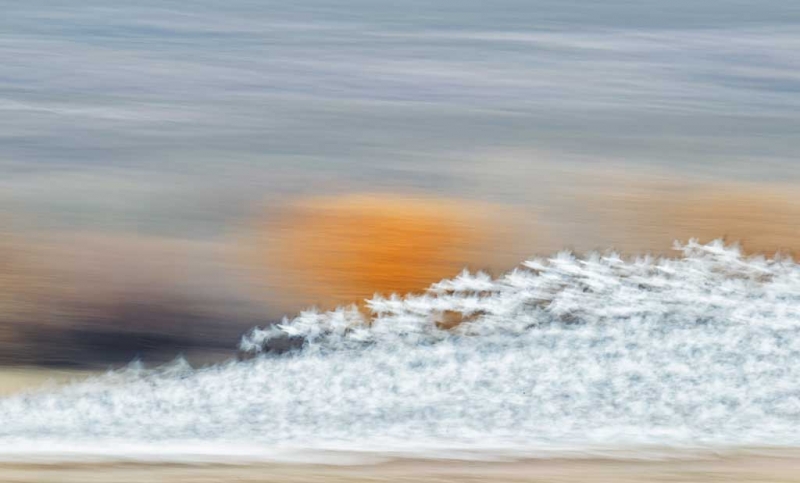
(335, 250)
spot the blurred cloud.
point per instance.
(156, 97)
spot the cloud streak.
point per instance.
(154, 89)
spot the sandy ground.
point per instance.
(766, 467)
(16, 379)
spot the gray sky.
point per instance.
(180, 118)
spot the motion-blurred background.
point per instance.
(172, 173)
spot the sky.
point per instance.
(150, 146)
(177, 119)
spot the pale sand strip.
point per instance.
(16, 379)
(765, 467)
